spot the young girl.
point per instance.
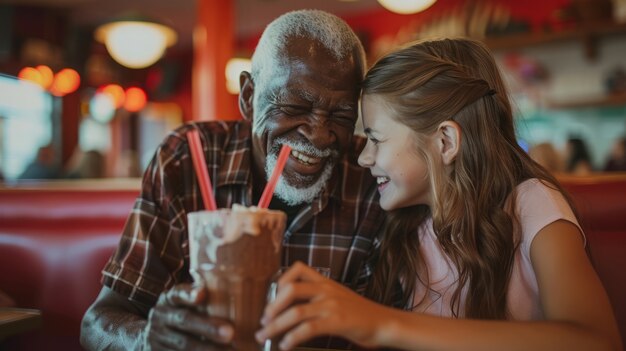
(483, 242)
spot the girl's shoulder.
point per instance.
(538, 204)
(536, 191)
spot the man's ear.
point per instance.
(246, 95)
(449, 141)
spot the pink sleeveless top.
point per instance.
(537, 206)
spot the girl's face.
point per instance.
(392, 157)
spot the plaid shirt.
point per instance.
(338, 230)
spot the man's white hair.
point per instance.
(329, 30)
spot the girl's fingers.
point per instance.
(300, 272)
(299, 299)
(293, 316)
(305, 331)
(289, 294)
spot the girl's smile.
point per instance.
(400, 171)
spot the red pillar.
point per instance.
(213, 42)
(70, 121)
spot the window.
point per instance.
(26, 126)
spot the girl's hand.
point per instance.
(309, 305)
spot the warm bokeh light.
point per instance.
(65, 81)
(135, 99)
(32, 75)
(406, 7)
(116, 92)
(136, 44)
(47, 76)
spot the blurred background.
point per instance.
(79, 100)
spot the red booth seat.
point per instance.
(54, 242)
(601, 203)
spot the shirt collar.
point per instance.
(332, 192)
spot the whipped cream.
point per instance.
(210, 230)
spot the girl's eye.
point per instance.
(374, 141)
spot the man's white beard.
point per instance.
(292, 195)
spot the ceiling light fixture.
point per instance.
(406, 7)
(135, 41)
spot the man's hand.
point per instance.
(177, 323)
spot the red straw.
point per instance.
(271, 184)
(199, 164)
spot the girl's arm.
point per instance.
(578, 315)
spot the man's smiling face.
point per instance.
(310, 104)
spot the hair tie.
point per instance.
(491, 92)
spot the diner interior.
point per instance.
(81, 116)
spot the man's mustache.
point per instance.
(303, 147)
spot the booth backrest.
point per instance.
(601, 205)
(38, 207)
(54, 243)
(600, 200)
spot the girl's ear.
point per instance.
(449, 141)
(246, 95)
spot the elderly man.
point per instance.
(302, 91)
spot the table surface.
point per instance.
(17, 320)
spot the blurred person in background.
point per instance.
(44, 166)
(617, 156)
(128, 165)
(90, 164)
(547, 156)
(578, 159)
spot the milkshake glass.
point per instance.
(235, 253)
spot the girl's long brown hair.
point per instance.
(425, 84)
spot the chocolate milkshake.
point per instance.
(235, 253)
